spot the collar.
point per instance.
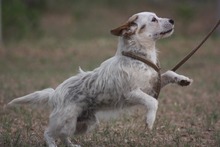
(157, 86)
(148, 62)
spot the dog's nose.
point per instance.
(171, 21)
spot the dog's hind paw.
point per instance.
(73, 145)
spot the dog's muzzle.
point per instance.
(166, 32)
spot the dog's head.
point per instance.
(145, 26)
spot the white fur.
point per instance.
(119, 82)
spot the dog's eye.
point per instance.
(154, 19)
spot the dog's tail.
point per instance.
(38, 98)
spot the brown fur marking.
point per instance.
(143, 27)
(119, 30)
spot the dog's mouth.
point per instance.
(165, 32)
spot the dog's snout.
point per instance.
(171, 21)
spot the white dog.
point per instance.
(129, 78)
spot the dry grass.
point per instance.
(186, 116)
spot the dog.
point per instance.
(119, 82)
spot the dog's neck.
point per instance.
(145, 50)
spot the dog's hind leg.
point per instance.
(139, 97)
(67, 123)
(62, 130)
(49, 138)
(68, 143)
(54, 126)
(67, 130)
(62, 124)
(77, 128)
(86, 125)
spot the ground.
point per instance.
(76, 35)
(187, 116)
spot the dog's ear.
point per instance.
(126, 29)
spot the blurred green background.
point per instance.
(85, 19)
(56, 36)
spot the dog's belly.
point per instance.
(110, 101)
(146, 80)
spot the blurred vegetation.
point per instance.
(84, 19)
(19, 17)
(186, 12)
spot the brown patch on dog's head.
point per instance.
(126, 29)
(141, 30)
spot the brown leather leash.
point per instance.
(157, 86)
(195, 49)
(148, 62)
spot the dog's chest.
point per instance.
(155, 83)
(144, 75)
(147, 79)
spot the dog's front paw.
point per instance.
(151, 114)
(149, 125)
(184, 81)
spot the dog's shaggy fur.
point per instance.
(119, 82)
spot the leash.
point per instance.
(157, 85)
(195, 49)
(148, 62)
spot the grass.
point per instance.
(187, 116)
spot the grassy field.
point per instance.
(187, 116)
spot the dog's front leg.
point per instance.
(139, 97)
(172, 77)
